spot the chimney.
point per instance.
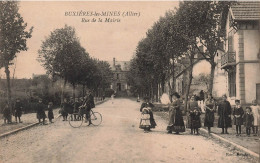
(114, 61)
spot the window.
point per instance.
(232, 82)
(117, 76)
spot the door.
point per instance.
(118, 86)
(258, 93)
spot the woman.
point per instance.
(192, 105)
(209, 113)
(176, 123)
(40, 112)
(147, 121)
(224, 112)
(50, 112)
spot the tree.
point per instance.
(203, 20)
(13, 37)
(61, 55)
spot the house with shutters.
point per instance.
(238, 64)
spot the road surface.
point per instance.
(117, 139)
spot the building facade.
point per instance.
(119, 81)
(239, 65)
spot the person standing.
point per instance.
(238, 113)
(192, 105)
(50, 112)
(64, 109)
(248, 119)
(18, 110)
(146, 108)
(210, 106)
(176, 123)
(7, 113)
(40, 112)
(202, 95)
(256, 111)
(224, 112)
(195, 120)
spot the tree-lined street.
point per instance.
(117, 139)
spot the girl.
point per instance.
(50, 112)
(238, 112)
(248, 118)
(195, 120)
(209, 113)
(147, 121)
(176, 122)
(256, 111)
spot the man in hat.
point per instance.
(18, 110)
(89, 104)
(224, 112)
(50, 112)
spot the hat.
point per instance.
(249, 108)
(237, 100)
(175, 94)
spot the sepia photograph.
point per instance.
(129, 81)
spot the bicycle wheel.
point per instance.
(75, 120)
(96, 118)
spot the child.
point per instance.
(147, 121)
(50, 112)
(255, 110)
(195, 120)
(248, 118)
(7, 114)
(238, 112)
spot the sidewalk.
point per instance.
(28, 119)
(251, 143)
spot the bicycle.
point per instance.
(77, 119)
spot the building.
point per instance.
(119, 80)
(239, 59)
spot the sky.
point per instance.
(102, 40)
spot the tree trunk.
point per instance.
(74, 87)
(212, 72)
(7, 72)
(62, 91)
(188, 88)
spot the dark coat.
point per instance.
(50, 112)
(195, 120)
(192, 105)
(40, 111)
(238, 111)
(18, 109)
(248, 119)
(209, 113)
(89, 102)
(6, 112)
(224, 112)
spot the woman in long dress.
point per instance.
(224, 112)
(176, 123)
(209, 113)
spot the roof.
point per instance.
(246, 10)
(123, 64)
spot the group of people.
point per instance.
(80, 105)
(249, 117)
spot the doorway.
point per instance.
(118, 86)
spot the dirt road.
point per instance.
(117, 139)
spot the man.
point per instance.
(224, 112)
(40, 112)
(18, 110)
(88, 104)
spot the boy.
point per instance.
(238, 112)
(248, 118)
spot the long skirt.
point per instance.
(176, 123)
(50, 115)
(209, 119)
(224, 122)
(41, 115)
